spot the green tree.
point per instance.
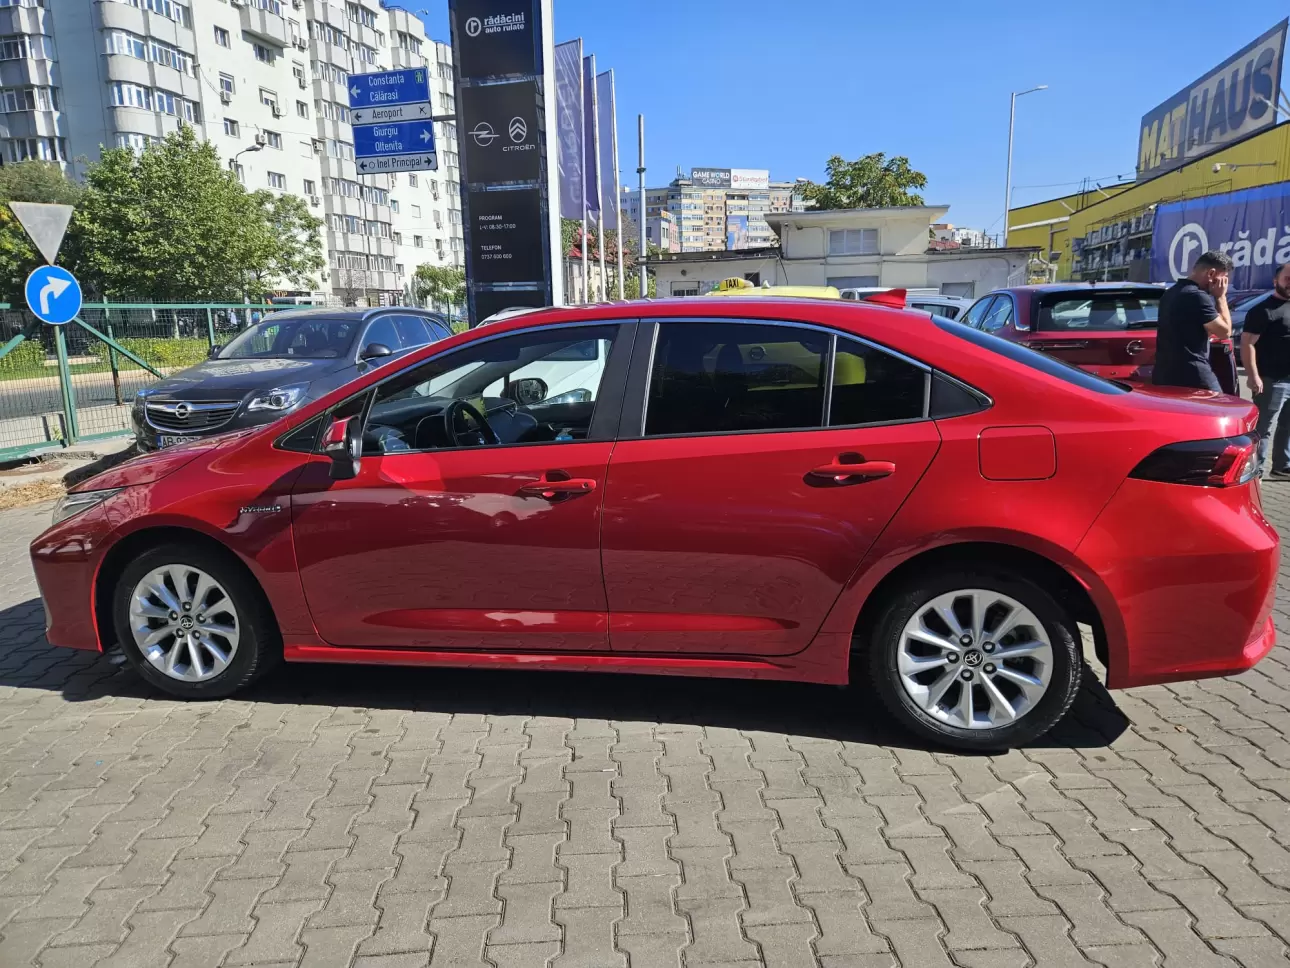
(294, 243)
(440, 286)
(28, 181)
(172, 224)
(874, 181)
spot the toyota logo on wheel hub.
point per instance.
(972, 658)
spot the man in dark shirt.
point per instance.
(1192, 310)
(1265, 351)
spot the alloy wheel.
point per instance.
(184, 623)
(974, 659)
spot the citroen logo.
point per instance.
(519, 130)
(473, 27)
(182, 411)
(484, 134)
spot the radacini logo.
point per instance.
(497, 24)
(1187, 245)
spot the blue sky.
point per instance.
(761, 84)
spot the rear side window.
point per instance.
(871, 386)
(1098, 312)
(1019, 353)
(721, 377)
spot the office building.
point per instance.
(718, 209)
(266, 82)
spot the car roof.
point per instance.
(1081, 287)
(357, 313)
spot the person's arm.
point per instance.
(1250, 360)
(1222, 325)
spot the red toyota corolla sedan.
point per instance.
(766, 488)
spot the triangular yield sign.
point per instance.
(46, 224)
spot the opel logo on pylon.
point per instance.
(473, 27)
(484, 134)
(519, 130)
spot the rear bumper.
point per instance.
(1193, 571)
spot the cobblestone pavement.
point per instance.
(394, 818)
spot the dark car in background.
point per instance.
(1105, 328)
(274, 366)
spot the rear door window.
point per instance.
(1097, 312)
(711, 378)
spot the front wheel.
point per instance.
(976, 660)
(192, 622)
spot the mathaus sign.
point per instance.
(1231, 102)
(1252, 226)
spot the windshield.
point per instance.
(299, 338)
(1098, 313)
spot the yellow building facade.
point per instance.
(1106, 233)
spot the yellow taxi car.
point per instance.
(742, 287)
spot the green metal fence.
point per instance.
(63, 384)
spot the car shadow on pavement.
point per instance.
(849, 714)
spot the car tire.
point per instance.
(1006, 708)
(178, 649)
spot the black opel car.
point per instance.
(274, 366)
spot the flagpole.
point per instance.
(640, 171)
(600, 244)
(586, 279)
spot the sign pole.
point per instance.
(65, 381)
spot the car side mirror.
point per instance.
(343, 445)
(528, 391)
(374, 351)
(213, 352)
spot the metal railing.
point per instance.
(63, 384)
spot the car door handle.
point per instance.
(854, 472)
(553, 490)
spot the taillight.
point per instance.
(1224, 462)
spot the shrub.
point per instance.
(27, 359)
(164, 354)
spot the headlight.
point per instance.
(279, 399)
(71, 505)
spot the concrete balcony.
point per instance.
(265, 25)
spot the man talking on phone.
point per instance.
(1191, 311)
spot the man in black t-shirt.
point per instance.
(1265, 351)
(1192, 310)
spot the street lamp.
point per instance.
(1007, 188)
(232, 162)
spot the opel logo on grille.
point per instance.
(182, 411)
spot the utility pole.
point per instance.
(640, 171)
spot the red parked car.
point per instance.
(1107, 328)
(763, 488)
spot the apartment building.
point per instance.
(266, 82)
(717, 209)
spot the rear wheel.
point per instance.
(193, 623)
(976, 660)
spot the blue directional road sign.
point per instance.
(54, 295)
(402, 146)
(402, 95)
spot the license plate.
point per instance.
(167, 440)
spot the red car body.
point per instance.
(708, 555)
(1115, 352)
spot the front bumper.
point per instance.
(66, 559)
